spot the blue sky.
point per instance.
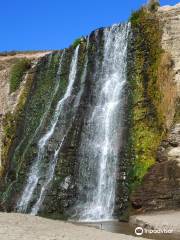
(54, 24)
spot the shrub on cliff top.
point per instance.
(153, 5)
(17, 72)
(77, 42)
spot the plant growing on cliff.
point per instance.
(153, 5)
(20, 126)
(17, 72)
(77, 42)
(10, 123)
(148, 112)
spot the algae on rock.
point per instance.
(151, 88)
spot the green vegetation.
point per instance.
(19, 143)
(76, 42)
(11, 122)
(17, 72)
(153, 5)
(148, 112)
(43, 85)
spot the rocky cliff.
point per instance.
(160, 187)
(42, 150)
(50, 111)
(8, 100)
(170, 17)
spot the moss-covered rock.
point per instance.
(20, 126)
(17, 72)
(150, 81)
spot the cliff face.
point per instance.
(21, 125)
(9, 101)
(170, 17)
(42, 140)
(42, 152)
(160, 188)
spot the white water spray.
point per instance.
(35, 172)
(101, 137)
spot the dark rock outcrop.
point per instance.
(160, 189)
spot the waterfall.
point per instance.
(83, 77)
(53, 162)
(47, 107)
(49, 177)
(98, 102)
(101, 136)
(36, 170)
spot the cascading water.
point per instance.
(36, 170)
(100, 142)
(96, 99)
(53, 162)
(49, 176)
(47, 107)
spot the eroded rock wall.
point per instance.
(9, 101)
(160, 188)
(170, 17)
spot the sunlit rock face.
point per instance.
(160, 189)
(170, 17)
(8, 100)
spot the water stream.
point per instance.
(102, 134)
(36, 171)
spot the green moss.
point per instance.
(146, 129)
(39, 103)
(39, 100)
(77, 42)
(10, 124)
(17, 72)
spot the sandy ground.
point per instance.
(25, 227)
(159, 220)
